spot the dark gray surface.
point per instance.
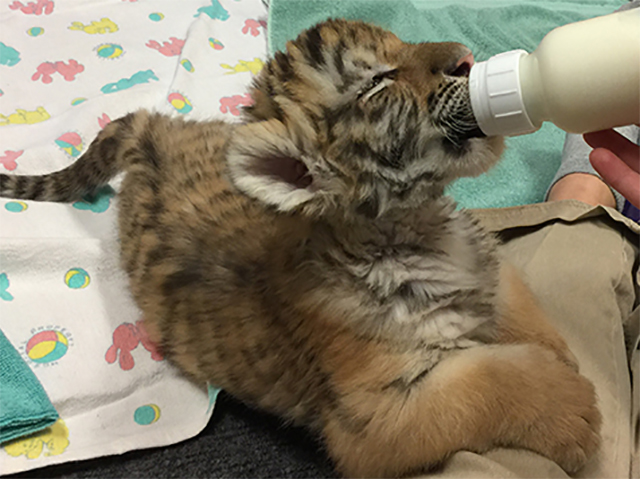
(238, 442)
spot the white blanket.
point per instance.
(67, 67)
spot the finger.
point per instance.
(625, 149)
(617, 174)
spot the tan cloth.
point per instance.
(581, 261)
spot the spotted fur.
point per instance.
(307, 261)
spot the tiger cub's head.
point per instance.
(353, 120)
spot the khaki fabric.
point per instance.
(581, 262)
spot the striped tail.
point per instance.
(93, 169)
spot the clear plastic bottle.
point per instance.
(583, 77)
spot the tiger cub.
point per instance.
(307, 262)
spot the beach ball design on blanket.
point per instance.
(187, 65)
(147, 414)
(47, 346)
(215, 44)
(15, 206)
(71, 143)
(109, 50)
(180, 103)
(35, 31)
(77, 278)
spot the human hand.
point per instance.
(617, 160)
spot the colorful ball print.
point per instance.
(71, 143)
(147, 414)
(109, 50)
(187, 65)
(215, 44)
(180, 103)
(77, 101)
(47, 346)
(156, 16)
(15, 206)
(35, 31)
(77, 278)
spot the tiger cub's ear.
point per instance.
(265, 163)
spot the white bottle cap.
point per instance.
(496, 98)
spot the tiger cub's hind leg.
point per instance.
(517, 396)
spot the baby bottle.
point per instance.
(583, 77)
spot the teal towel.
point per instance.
(24, 405)
(487, 27)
